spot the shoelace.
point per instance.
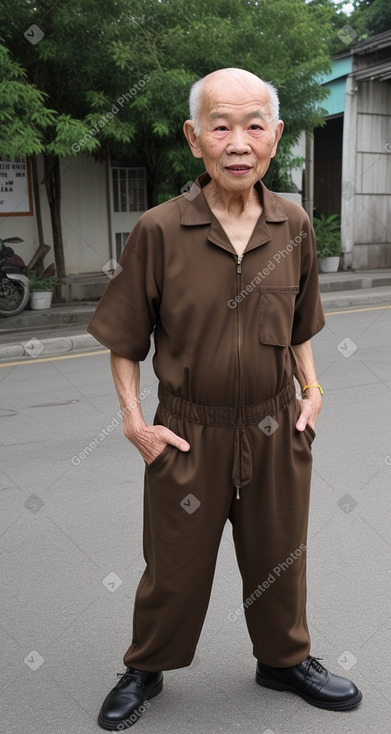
(314, 662)
(137, 676)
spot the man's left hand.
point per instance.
(310, 407)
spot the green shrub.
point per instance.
(42, 284)
(328, 235)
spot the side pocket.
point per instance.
(160, 457)
(162, 418)
(276, 312)
(310, 433)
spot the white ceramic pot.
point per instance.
(40, 300)
(328, 264)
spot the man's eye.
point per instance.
(256, 127)
(221, 127)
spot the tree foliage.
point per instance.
(371, 17)
(24, 116)
(95, 51)
(113, 76)
(368, 18)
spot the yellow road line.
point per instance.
(53, 359)
(355, 310)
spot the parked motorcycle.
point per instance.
(14, 282)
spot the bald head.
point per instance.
(234, 84)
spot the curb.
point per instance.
(379, 296)
(48, 347)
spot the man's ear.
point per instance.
(278, 133)
(188, 129)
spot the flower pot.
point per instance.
(40, 300)
(328, 264)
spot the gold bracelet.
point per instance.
(315, 384)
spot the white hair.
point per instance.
(195, 99)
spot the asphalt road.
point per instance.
(70, 541)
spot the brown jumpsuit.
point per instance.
(223, 326)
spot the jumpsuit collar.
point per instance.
(197, 212)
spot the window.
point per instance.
(129, 189)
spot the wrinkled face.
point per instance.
(237, 138)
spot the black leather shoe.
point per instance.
(313, 682)
(125, 703)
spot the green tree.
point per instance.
(368, 18)
(23, 112)
(286, 42)
(138, 58)
(338, 19)
(371, 17)
(72, 67)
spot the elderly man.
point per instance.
(226, 278)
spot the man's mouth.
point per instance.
(239, 168)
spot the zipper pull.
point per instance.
(238, 493)
(239, 264)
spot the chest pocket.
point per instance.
(276, 311)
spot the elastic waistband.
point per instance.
(211, 415)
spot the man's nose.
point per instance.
(238, 142)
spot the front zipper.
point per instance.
(239, 354)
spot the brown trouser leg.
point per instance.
(270, 534)
(188, 498)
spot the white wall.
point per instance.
(298, 150)
(372, 211)
(84, 217)
(84, 214)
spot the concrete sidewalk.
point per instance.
(62, 328)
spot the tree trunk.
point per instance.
(37, 200)
(53, 190)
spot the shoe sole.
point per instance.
(109, 726)
(332, 706)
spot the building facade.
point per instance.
(352, 153)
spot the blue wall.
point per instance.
(336, 83)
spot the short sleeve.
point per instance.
(308, 317)
(129, 308)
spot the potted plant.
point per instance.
(41, 290)
(328, 242)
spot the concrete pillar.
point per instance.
(308, 197)
(349, 145)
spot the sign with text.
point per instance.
(15, 188)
